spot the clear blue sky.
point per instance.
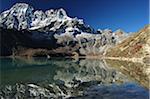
(129, 15)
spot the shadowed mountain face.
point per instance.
(136, 45)
(13, 40)
(22, 26)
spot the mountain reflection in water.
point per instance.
(40, 77)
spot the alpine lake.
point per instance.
(61, 78)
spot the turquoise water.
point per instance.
(94, 78)
(20, 71)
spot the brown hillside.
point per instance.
(136, 45)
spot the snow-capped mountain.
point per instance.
(51, 28)
(19, 17)
(23, 16)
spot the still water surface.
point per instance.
(79, 79)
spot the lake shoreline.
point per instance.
(133, 59)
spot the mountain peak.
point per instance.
(119, 30)
(22, 5)
(61, 13)
(21, 8)
(146, 28)
(23, 16)
(18, 16)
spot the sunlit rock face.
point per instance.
(18, 17)
(120, 35)
(23, 16)
(135, 46)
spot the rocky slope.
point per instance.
(22, 27)
(137, 45)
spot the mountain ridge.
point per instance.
(51, 30)
(136, 45)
